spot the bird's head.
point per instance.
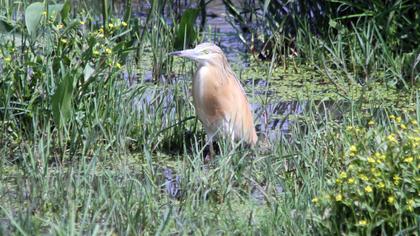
(203, 53)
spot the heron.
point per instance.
(219, 99)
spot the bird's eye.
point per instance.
(205, 52)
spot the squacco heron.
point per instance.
(219, 99)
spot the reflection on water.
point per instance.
(270, 123)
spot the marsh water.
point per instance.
(269, 107)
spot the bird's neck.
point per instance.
(220, 70)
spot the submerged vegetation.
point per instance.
(98, 134)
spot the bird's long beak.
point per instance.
(188, 53)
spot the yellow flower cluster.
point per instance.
(352, 150)
(363, 177)
(409, 160)
(382, 171)
(410, 205)
(414, 141)
(391, 138)
(396, 179)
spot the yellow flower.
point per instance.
(363, 177)
(7, 59)
(343, 175)
(60, 26)
(349, 128)
(118, 65)
(362, 222)
(124, 23)
(353, 150)
(396, 179)
(339, 197)
(350, 180)
(101, 30)
(95, 52)
(410, 204)
(413, 122)
(368, 189)
(63, 40)
(110, 25)
(382, 157)
(351, 167)
(398, 119)
(315, 200)
(44, 13)
(391, 200)
(82, 22)
(409, 160)
(108, 51)
(371, 122)
(381, 185)
(375, 172)
(403, 126)
(371, 160)
(391, 117)
(391, 138)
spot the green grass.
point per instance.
(84, 152)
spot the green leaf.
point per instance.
(55, 9)
(186, 33)
(62, 99)
(33, 14)
(88, 71)
(66, 9)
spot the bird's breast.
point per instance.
(221, 104)
(207, 85)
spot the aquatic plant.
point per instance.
(376, 188)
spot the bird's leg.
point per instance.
(210, 154)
